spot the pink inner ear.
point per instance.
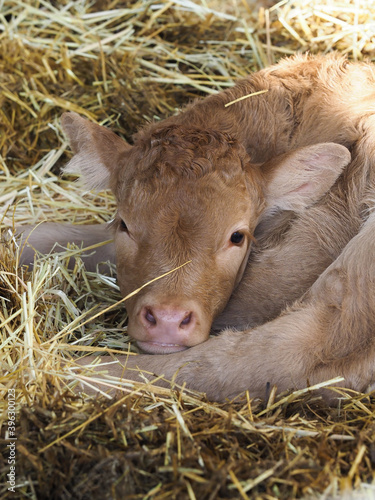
(303, 188)
(97, 150)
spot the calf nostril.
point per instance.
(186, 320)
(150, 317)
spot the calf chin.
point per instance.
(159, 348)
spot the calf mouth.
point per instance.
(149, 347)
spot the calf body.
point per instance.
(197, 189)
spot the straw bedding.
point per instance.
(122, 63)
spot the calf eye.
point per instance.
(123, 226)
(237, 238)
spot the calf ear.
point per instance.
(97, 150)
(297, 179)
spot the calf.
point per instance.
(197, 190)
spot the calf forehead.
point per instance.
(175, 152)
(187, 207)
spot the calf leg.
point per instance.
(330, 332)
(50, 236)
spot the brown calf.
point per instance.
(196, 188)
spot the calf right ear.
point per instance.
(299, 178)
(97, 150)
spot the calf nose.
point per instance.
(168, 324)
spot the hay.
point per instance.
(121, 64)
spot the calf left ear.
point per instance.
(299, 178)
(97, 150)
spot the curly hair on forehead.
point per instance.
(189, 151)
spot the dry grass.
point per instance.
(121, 63)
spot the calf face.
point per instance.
(189, 198)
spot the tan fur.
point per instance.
(267, 166)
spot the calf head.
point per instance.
(189, 199)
